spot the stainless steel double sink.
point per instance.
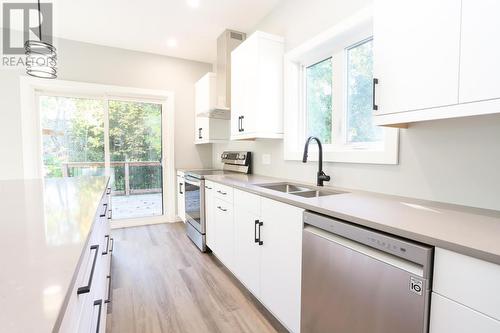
(298, 190)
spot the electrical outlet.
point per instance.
(266, 159)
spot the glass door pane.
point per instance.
(135, 148)
(72, 135)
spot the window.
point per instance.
(360, 127)
(319, 100)
(329, 94)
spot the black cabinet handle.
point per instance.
(199, 133)
(375, 82)
(260, 225)
(110, 214)
(242, 129)
(221, 192)
(180, 188)
(109, 289)
(208, 187)
(112, 244)
(86, 289)
(239, 123)
(107, 245)
(105, 210)
(108, 192)
(99, 303)
(255, 231)
(224, 210)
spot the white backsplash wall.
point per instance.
(455, 161)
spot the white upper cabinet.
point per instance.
(416, 54)
(257, 87)
(433, 58)
(209, 126)
(205, 94)
(480, 50)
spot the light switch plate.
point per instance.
(266, 159)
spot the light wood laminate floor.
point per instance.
(162, 283)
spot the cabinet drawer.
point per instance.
(223, 192)
(247, 201)
(468, 281)
(448, 316)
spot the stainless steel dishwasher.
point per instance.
(356, 280)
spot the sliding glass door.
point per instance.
(120, 138)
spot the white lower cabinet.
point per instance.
(180, 196)
(448, 316)
(224, 232)
(281, 264)
(88, 300)
(209, 215)
(466, 294)
(267, 245)
(247, 248)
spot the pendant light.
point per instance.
(41, 57)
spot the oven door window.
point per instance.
(193, 204)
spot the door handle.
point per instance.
(107, 245)
(242, 129)
(255, 231)
(375, 82)
(199, 133)
(99, 303)
(239, 123)
(86, 289)
(224, 210)
(180, 188)
(109, 289)
(260, 240)
(103, 214)
(221, 192)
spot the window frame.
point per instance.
(335, 43)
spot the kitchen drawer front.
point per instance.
(247, 201)
(469, 281)
(448, 316)
(223, 192)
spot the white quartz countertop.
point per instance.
(43, 230)
(467, 230)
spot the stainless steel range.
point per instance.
(233, 162)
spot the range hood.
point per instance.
(226, 43)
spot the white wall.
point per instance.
(99, 64)
(456, 161)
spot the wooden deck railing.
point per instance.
(126, 167)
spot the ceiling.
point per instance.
(157, 25)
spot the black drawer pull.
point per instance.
(199, 133)
(86, 289)
(255, 231)
(105, 210)
(109, 289)
(221, 192)
(112, 244)
(108, 191)
(375, 82)
(224, 210)
(107, 245)
(208, 187)
(98, 302)
(260, 240)
(180, 188)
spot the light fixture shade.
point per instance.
(41, 59)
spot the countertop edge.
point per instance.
(461, 249)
